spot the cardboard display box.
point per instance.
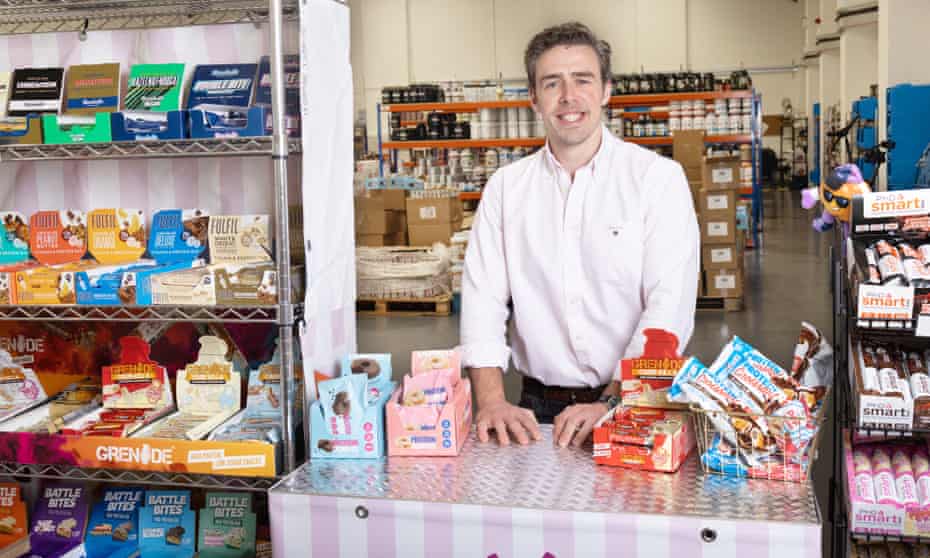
(721, 173)
(434, 211)
(724, 283)
(729, 256)
(718, 229)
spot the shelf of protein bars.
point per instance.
(139, 398)
(76, 519)
(55, 16)
(48, 113)
(689, 436)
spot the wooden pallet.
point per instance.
(440, 306)
(717, 304)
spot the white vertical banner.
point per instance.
(327, 108)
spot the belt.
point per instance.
(534, 387)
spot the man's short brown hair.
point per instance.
(572, 33)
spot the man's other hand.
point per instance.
(575, 423)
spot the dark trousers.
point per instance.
(545, 409)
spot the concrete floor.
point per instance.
(787, 281)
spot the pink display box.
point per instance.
(881, 519)
(444, 439)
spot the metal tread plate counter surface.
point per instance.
(493, 496)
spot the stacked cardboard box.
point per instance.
(722, 246)
(433, 216)
(381, 218)
(688, 150)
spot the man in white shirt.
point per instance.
(590, 240)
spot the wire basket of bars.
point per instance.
(762, 446)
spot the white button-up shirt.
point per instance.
(588, 264)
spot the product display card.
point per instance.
(211, 385)
(135, 382)
(167, 525)
(92, 88)
(20, 388)
(116, 236)
(4, 92)
(263, 400)
(239, 239)
(14, 242)
(291, 89)
(225, 85)
(58, 519)
(155, 87)
(36, 90)
(57, 237)
(113, 531)
(12, 515)
(227, 526)
(178, 235)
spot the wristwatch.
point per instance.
(610, 400)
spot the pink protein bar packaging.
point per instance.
(905, 485)
(921, 464)
(865, 487)
(885, 492)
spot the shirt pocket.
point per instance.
(611, 251)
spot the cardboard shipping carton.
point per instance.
(728, 256)
(718, 202)
(688, 150)
(718, 229)
(427, 235)
(434, 211)
(721, 173)
(724, 283)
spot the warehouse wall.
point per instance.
(395, 42)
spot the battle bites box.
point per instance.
(113, 531)
(227, 526)
(167, 524)
(13, 535)
(59, 520)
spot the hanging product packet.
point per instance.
(20, 388)
(116, 236)
(178, 235)
(14, 242)
(343, 401)
(58, 520)
(58, 237)
(113, 531)
(227, 526)
(167, 525)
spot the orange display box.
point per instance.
(247, 459)
(645, 439)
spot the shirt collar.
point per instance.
(596, 162)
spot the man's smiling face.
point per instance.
(569, 93)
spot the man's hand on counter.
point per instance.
(495, 413)
(575, 423)
(506, 419)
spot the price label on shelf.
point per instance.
(881, 302)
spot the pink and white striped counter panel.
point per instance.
(532, 502)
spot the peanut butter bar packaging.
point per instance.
(58, 237)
